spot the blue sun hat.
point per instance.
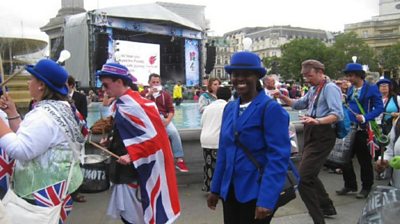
(52, 74)
(247, 61)
(115, 70)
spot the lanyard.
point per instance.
(315, 97)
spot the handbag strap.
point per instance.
(71, 145)
(246, 150)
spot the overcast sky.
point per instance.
(22, 18)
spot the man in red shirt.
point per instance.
(166, 109)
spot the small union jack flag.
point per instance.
(371, 143)
(52, 196)
(65, 209)
(6, 169)
(82, 124)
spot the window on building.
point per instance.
(273, 53)
(218, 60)
(219, 73)
(365, 33)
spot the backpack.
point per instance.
(343, 127)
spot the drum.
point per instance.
(95, 174)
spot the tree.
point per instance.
(272, 64)
(389, 59)
(345, 47)
(297, 51)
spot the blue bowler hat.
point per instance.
(52, 74)
(247, 61)
(384, 81)
(353, 67)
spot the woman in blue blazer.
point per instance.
(262, 126)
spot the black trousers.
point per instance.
(318, 143)
(236, 212)
(359, 149)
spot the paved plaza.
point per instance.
(194, 207)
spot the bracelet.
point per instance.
(15, 117)
(318, 120)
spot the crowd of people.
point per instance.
(245, 118)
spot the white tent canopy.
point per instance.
(151, 11)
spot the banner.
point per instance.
(192, 62)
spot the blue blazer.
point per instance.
(265, 132)
(370, 99)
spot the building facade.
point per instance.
(382, 30)
(266, 42)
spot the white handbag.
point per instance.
(20, 211)
(3, 215)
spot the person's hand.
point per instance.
(8, 105)
(262, 213)
(212, 201)
(166, 122)
(360, 118)
(124, 160)
(394, 114)
(309, 120)
(381, 165)
(276, 93)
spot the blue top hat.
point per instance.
(353, 68)
(116, 70)
(52, 74)
(246, 61)
(383, 81)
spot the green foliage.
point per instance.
(345, 47)
(334, 57)
(272, 64)
(389, 59)
(295, 52)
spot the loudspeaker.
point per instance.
(210, 60)
(101, 50)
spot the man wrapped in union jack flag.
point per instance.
(144, 189)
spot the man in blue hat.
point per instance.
(361, 96)
(324, 108)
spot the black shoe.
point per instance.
(345, 190)
(329, 211)
(363, 193)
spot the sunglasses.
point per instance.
(105, 85)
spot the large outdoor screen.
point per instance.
(141, 59)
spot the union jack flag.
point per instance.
(6, 169)
(371, 143)
(52, 196)
(82, 123)
(146, 140)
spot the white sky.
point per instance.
(22, 18)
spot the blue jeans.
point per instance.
(175, 138)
